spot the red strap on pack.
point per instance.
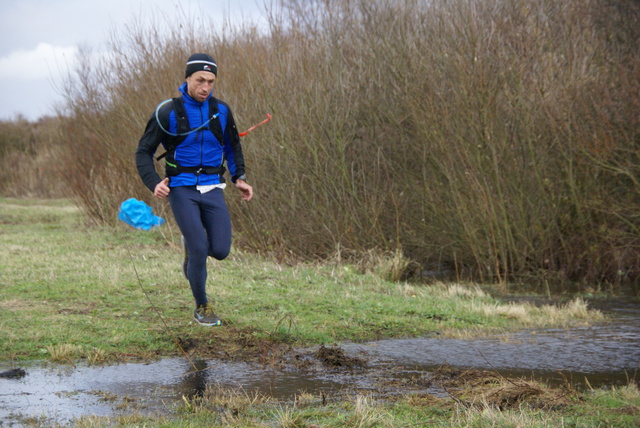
(242, 134)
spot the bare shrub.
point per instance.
(499, 139)
(28, 163)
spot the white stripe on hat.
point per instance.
(202, 62)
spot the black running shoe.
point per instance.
(185, 262)
(204, 315)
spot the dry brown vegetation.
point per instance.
(489, 389)
(499, 140)
(29, 166)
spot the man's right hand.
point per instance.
(162, 189)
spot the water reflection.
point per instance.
(195, 380)
(64, 393)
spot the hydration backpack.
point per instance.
(184, 129)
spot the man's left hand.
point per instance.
(247, 191)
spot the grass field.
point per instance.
(74, 293)
(111, 291)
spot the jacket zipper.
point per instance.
(201, 138)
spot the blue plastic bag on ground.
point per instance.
(139, 215)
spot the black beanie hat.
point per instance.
(200, 62)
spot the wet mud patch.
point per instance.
(13, 374)
(245, 346)
(233, 344)
(188, 343)
(335, 357)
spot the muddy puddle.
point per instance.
(62, 393)
(605, 354)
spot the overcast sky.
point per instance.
(39, 39)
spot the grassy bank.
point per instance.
(71, 291)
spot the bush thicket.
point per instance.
(498, 140)
(28, 166)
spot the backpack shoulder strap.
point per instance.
(181, 116)
(162, 116)
(214, 126)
